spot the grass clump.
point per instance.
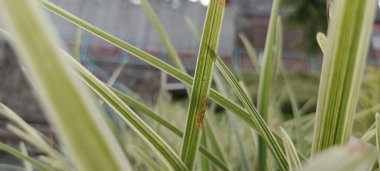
(90, 141)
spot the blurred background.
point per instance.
(127, 19)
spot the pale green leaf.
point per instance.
(354, 157)
(28, 133)
(73, 112)
(378, 135)
(347, 45)
(267, 74)
(220, 86)
(27, 165)
(291, 152)
(322, 41)
(173, 54)
(20, 155)
(260, 125)
(77, 44)
(117, 72)
(148, 160)
(258, 121)
(148, 112)
(186, 79)
(183, 77)
(251, 52)
(215, 144)
(171, 159)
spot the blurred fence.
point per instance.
(238, 60)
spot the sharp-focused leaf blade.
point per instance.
(348, 40)
(202, 81)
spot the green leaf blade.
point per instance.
(73, 112)
(378, 135)
(128, 115)
(20, 155)
(184, 78)
(291, 152)
(202, 81)
(342, 69)
(267, 75)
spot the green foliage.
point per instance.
(342, 70)
(202, 81)
(73, 112)
(86, 133)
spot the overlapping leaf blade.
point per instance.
(291, 152)
(20, 155)
(73, 112)
(267, 75)
(184, 78)
(257, 120)
(128, 115)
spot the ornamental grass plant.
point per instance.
(188, 135)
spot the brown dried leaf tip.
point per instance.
(200, 115)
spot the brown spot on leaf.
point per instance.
(200, 115)
(223, 2)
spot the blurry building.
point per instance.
(126, 19)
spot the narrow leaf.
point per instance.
(260, 125)
(20, 155)
(77, 44)
(148, 160)
(378, 135)
(148, 112)
(27, 165)
(267, 75)
(72, 112)
(27, 132)
(181, 76)
(128, 115)
(202, 81)
(117, 72)
(205, 166)
(291, 152)
(220, 85)
(184, 78)
(348, 40)
(173, 54)
(193, 28)
(209, 130)
(251, 52)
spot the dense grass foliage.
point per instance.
(304, 126)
